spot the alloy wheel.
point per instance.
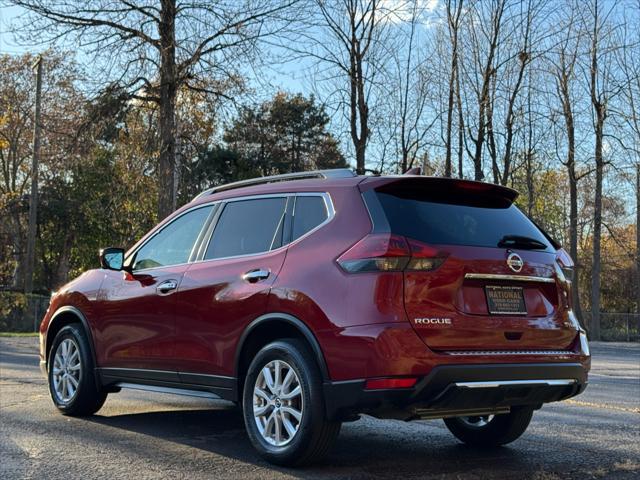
(477, 421)
(278, 403)
(67, 370)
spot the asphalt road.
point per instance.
(142, 435)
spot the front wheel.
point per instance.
(491, 430)
(71, 379)
(283, 405)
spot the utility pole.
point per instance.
(33, 199)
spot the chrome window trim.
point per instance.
(331, 212)
(517, 278)
(217, 212)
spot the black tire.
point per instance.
(500, 430)
(315, 434)
(88, 398)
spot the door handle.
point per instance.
(167, 286)
(253, 276)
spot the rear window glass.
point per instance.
(481, 225)
(310, 211)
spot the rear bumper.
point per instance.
(453, 390)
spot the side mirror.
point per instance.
(112, 258)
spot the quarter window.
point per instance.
(173, 244)
(246, 227)
(310, 211)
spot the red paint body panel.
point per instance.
(387, 350)
(214, 307)
(80, 293)
(446, 293)
(315, 289)
(136, 325)
(362, 322)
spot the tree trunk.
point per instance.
(506, 159)
(460, 128)
(638, 238)
(597, 227)
(599, 107)
(573, 223)
(530, 182)
(61, 274)
(488, 72)
(573, 189)
(167, 114)
(20, 251)
(453, 21)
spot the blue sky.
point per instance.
(6, 42)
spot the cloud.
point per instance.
(399, 11)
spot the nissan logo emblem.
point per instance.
(515, 262)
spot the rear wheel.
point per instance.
(283, 405)
(71, 374)
(491, 430)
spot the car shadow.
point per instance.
(362, 449)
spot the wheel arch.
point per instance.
(269, 327)
(64, 316)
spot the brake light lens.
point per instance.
(386, 252)
(564, 261)
(389, 383)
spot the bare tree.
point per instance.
(563, 58)
(454, 17)
(409, 86)
(343, 39)
(628, 113)
(523, 58)
(155, 50)
(485, 26)
(601, 90)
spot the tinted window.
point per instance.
(481, 225)
(248, 226)
(308, 214)
(173, 244)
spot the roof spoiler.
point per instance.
(411, 185)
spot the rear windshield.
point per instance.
(482, 224)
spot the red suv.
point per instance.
(312, 298)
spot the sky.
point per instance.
(292, 77)
(7, 14)
(288, 77)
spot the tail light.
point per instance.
(386, 252)
(565, 266)
(564, 261)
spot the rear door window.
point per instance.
(464, 223)
(309, 212)
(248, 227)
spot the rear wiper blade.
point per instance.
(519, 241)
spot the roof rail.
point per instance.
(333, 173)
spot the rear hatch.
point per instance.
(495, 284)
